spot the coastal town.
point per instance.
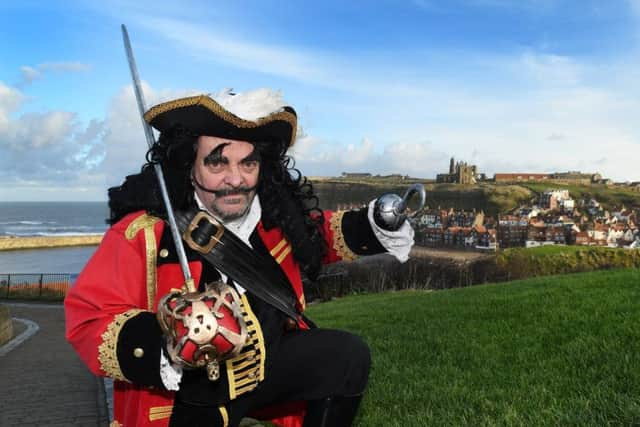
(554, 216)
(556, 220)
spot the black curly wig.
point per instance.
(287, 198)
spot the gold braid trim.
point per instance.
(146, 222)
(164, 412)
(339, 244)
(225, 115)
(225, 416)
(278, 247)
(160, 412)
(142, 222)
(107, 351)
(246, 370)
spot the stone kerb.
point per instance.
(6, 326)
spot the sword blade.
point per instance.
(148, 132)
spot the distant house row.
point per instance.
(556, 220)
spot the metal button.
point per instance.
(138, 352)
(164, 253)
(290, 324)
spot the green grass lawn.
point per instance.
(558, 350)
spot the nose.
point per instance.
(233, 177)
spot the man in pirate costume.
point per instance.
(225, 157)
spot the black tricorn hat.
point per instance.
(202, 115)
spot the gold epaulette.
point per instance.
(147, 222)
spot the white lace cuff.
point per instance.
(398, 243)
(170, 373)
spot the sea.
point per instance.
(50, 219)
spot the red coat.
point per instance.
(121, 281)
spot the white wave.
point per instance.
(69, 233)
(53, 234)
(27, 222)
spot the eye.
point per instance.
(215, 166)
(249, 165)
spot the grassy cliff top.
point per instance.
(559, 350)
(493, 198)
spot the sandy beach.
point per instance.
(16, 243)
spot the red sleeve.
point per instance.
(110, 291)
(348, 235)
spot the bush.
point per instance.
(383, 273)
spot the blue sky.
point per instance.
(379, 86)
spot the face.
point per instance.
(228, 170)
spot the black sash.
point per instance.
(230, 255)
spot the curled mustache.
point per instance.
(225, 191)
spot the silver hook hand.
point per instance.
(389, 211)
(414, 189)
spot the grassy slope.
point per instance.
(489, 197)
(560, 350)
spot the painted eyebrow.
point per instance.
(254, 156)
(216, 156)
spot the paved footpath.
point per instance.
(43, 382)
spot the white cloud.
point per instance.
(209, 44)
(65, 67)
(10, 101)
(37, 130)
(551, 69)
(29, 73)
(124, 140)
(10, 98)
(356, 155)
(315, 157)
(52, 155)
(44, 150)
(520, 111)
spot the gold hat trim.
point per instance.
(221, 112)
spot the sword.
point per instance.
(148, 132)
